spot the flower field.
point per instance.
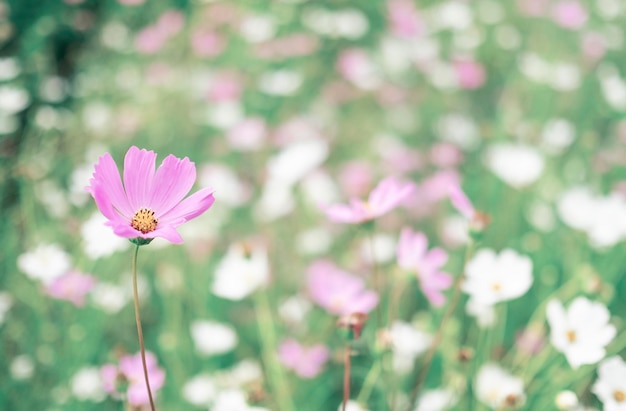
(383, 205)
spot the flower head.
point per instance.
(581, 332)
(610, 387)
(497, 388)
(72, 286)
(387, 195)
(150, 204)
(306, 362)
(130, 370)
(337, 291)
(491, 277)
(413, 254)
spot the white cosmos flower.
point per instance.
(491, 277)
(45, 263)
(610, 387)
(517, 165)
(212, 338)
(86, 385)
(440, 399)
(243, 270)
(200, 390)
(407, 342)
(352, 406)
(582, 332)
(233, 400)
(496, 388)
(99, 240)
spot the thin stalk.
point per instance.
(346, 377)
(378, 285)
(368, 385)
(456, 295)
(139, 332)
(265, 323)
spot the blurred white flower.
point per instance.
(610, 387)
(8, 123)
(294, 309)
(86, 385)
(6, 301)
(97, 116)
(22, 367)
(280, 82)
(258, 28)
(602, 218)
(243, 373)
(200, 390)
(13, 99)
(440, 399)
(564, 76)
(233, 400)
(352, 406)
(407, 343)
(566, 401)
(491, 277)
(384, 248)
(9, 68)
(276, 200)
(453, 15)
(297, 160)
(557, 135)
(52, 197)
(515, 164)
(497, 389)
(319, 189)
(212, 338)
(534, 67)
(315, 241)
(45, 263)
(110, 297)
(99, 240)
(613, 86)
(458, 129)
(53, 89)
(243, 270)
(582, 332)
(610, 9)
(485, 314)
(223, 179)
(348, 23)
(225, 115)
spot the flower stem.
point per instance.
(456, 294)
(378, 285)
(139, 332)
(368, 385)
(265, 323)
(346, 377)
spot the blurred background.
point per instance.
(285, 107)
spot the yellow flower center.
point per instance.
(571, 336)
(144, 220)
(619, 395)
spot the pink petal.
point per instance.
(138, 394)
(363, 304)
(460, 201)
(167, 232)
(436, 258)
(172, 181)
(434, 296)
(411, 248)
(341, 213)
(138, 177)
(289, 352)
(108, 178)
(189, 208)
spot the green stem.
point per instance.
(368, 385)
(456, 295)
(139, 332)
(267, 333)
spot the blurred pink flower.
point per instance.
(306, 362)
(445, 155)
(130, 371)
(470, 74)
(337, 291)
(594, 45)
(171, 23)
(404, 18)
(569, 14)
(461, 202)
(533, 8)
(356, 66)
(356, 178)
(150, 204)
(248, 135)
(436, 187)
(387, 195)
(72, 286)
(206, 43)
(413, 254)
(150, 40)
(225, 87)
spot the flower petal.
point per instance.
(107, 176)
(167, 232)
(138, 177)
(189, 208)
(172, 181)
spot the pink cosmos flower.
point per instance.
(413, 254)
(337, 291)
(72, 286)
(387, 195)
(150, 40)
(460, 201)
(306, 362)
(150, 204)
(470, 74)
(130, 371)
(569, 14)
(404, 18)
(207, 43)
